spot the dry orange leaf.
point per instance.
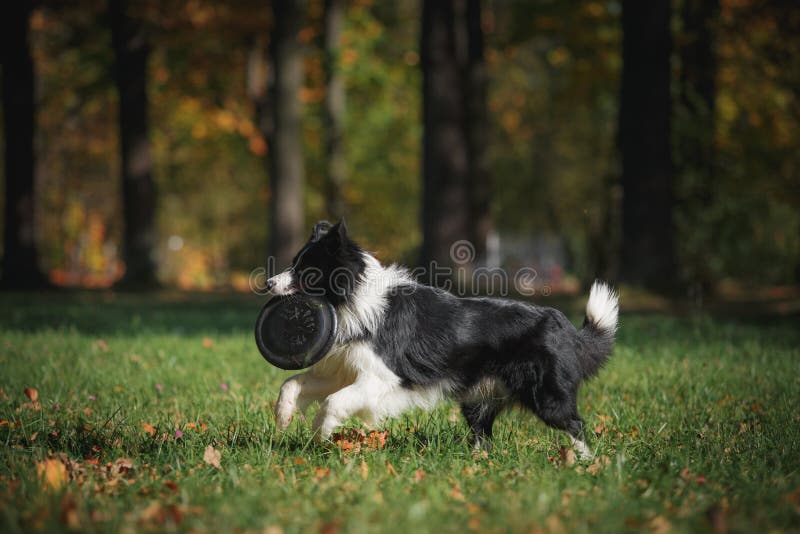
(566, 455)
(102, 345)
(659, 525)
(150, 429)
(321, 472)
(32, 394)
(212, 457)
(69, 512)
(208, 342)
(53, 473)
(390, 468)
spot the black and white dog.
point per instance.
(401, 344)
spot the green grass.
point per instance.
(699, 420)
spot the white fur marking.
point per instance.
(370, 389)
(364, 310)
(583, 450)
(603, 306)
(282, 283)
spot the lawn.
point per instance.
(139, 412)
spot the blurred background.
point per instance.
(179, 144)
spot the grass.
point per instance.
(698, 422)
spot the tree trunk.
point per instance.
(20, 269)
(648, 249)
(286, 148)
(476, 82)
(131, 52)
(446, 204)
(334, 108)
(698, 89)
(696, 132)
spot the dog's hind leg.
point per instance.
(561, 412)
(480, 417)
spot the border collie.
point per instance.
(401, 344)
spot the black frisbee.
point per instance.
(295, 331)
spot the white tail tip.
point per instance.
(603, 306)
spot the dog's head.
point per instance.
(329, 264)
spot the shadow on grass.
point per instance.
(183, 313)
(106, 312)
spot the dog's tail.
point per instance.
(596, 338)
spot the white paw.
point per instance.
(284, 412)
(324, 424)
(580, 447)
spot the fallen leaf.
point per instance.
(69, 512)
(456, 493)
(419, 475)
(320, 473)
(32, 394)
(364, 470)
(659, 525)
(212, 457)
(102, 345)
(208, 342)
(598, 465)
(390, 468)
(718, 518)
(554, 525)
(122, 467)
(566, 455)
(150, 429)
(53, 473)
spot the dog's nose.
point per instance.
(270, 284)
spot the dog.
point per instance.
(401, 344)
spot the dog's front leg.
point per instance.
(360, 397)
(298, 392)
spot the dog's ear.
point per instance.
(336, 236)
(341, 228)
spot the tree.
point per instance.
(476, 82)
(334, 108)
(131, 52)
(697, 89)
(648, 248)
(20, 257)
(445, 168)
(285, 146)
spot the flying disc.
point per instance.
(295, 331)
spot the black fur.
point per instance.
(330, 264)
(428, 336)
